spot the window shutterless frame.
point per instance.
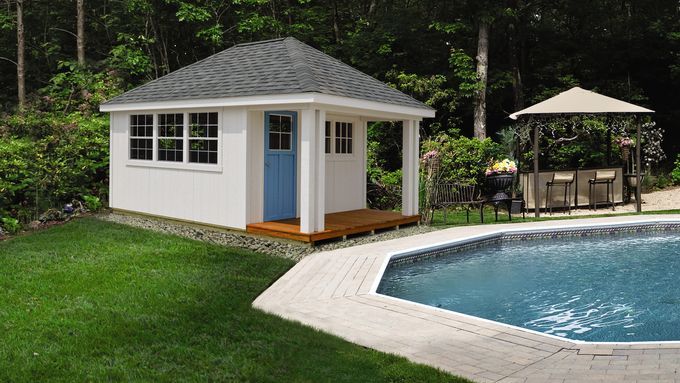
(170, 137)
(340, 143)
(185, 163)
(203, 138)
(141, 132)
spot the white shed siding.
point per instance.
(211, 194)
(255, 166)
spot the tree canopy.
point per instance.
(626, 49)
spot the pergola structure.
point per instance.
(577, 101)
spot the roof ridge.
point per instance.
(303, 71)
(260, 42)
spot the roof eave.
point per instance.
(280, 99)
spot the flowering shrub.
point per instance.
(624, 142)
(461, 159)
(502, 167)
(652, 138)
(432, 154)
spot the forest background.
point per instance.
(474, 61)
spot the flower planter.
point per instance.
(631, 179)
(500, 183)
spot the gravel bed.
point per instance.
(279, 248)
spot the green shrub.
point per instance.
(11, 225)
(17, 183)
(463, 159)
(92, 203)
(663, 181)
(43, 172)
(675, 174)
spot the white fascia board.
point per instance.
(298, 98)
(281, 99)
(373, 106)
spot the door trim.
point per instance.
(293, 150)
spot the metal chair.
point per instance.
(602, 177)
(452, 194)
(560, 180)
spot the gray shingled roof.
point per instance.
(281, 66)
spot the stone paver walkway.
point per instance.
(335, 291)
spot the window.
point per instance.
(171, 137)
(328, 137)
(175, 137)
(343, 138)
(280, 132)
(203, 138)
(141, 137)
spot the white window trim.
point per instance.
(174, 165)
(292, 133)
(188, 138)
(333, 156)
(157, 138)
(131, 137)
(185, 164)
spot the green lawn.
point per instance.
(95, 301)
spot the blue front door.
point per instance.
(280, 151)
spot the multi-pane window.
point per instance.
(343, 137)
(328, 137)
(171, 137)
(203, 138)
(280, 132)
(141, 137)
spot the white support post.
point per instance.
(312, 170)
(320, 166)
(364, 160)
(410, 167)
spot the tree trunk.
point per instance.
(21, 82)
(80, 38)
(482, 70)
(336, 28)
(517, 84)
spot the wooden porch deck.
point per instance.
(337, 225)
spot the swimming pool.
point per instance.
(617, 284)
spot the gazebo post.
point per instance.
(638, 166)
(609, 144)
(537, 203)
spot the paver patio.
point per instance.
(335, 291)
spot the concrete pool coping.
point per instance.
(335, 291)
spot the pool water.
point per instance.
(623, 287)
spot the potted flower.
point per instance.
(624, 143)
(499, 176)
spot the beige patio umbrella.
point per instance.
(578, 101)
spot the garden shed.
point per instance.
(268, 137)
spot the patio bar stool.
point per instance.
(563, 180)
(602, 177)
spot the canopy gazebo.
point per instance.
(577, 101)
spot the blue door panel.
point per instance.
(280, 166)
